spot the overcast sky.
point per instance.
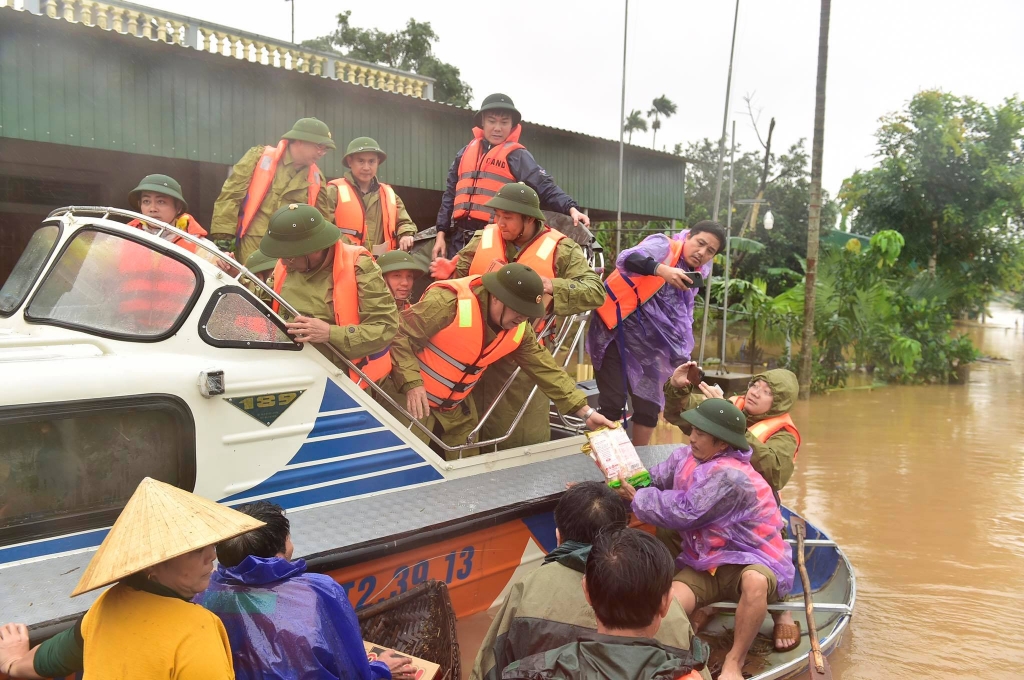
(561, 60)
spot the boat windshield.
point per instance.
(26, 271)
(108, 284)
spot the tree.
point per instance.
(635, 121)
(409, 49)
(951, 180)
(662, 106)
(814, 209)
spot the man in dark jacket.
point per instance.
(548, 609)
(628, 581)
(499, 159)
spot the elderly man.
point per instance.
(628, 582)
(548, 608)
(337, 289)
(282, 621)
(494, 158)
(570, 287)
(369, 212)
(771, 433)
(267, 178)
(708, 501)
(644, 328)
(457, 330)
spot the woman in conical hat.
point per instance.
(159, 554)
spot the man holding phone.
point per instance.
(645, 327)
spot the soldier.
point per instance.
(400, 271)
(460, 327)
(159, 197)
(570, 287)
(264, 180)
(336, 287)
(492, 159)
(381, 223)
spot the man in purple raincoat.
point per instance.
(283, 622)
(721, 518)
(639, 354)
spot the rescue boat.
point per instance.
(125, 356)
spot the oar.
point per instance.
(818, 668)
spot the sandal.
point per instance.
(786, 631)
(700, 618)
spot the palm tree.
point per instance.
(814, 209)
(662, 106)
(635, 121)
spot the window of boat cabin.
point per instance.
(72, 466)
(27, 269)
(234, 318)
(108, 284)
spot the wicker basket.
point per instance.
(420, 622)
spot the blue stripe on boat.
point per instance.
(343, 422)
(339, 469)
(358, 487)
(49, 546)
(343, 446)
(336, 399)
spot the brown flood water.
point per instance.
(923, 487)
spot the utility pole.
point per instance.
(814, 209)
(622, 131)
(293, 19)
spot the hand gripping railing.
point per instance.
(218, 258)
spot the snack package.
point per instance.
(613, 452)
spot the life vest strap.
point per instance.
(469, 370)
(450, 384)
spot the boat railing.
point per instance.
(227, 265)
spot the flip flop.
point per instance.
(786, 631)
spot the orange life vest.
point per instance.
(346, 307)
(482, 175)
(625, 293)
(154, 288)
(764, 429)
(263, 179)
(191, 226)
(350, 213)
(455, 358)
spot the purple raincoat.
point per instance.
(285, 623)
(723, 509)
(659, 335)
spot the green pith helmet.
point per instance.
(260, 262)
(518, 198)
(158, 184)
(311, 130)
(398, 260)
(500, 102)
(296, 230)
(720, 418)
(361, 144)
(519, 288)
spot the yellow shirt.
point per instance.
(134, 635)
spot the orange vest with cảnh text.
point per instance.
(482, 175)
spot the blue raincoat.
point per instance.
(285, 623)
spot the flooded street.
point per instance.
(923, 487)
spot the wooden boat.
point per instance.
(196, 383)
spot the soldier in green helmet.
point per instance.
(571, 286)
(267, 178)
(369, 212)
(439, 356)
(400, 271)
(159, 197)
(336, 287)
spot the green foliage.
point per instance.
(410, 49)
(661, 107)
(634, 121)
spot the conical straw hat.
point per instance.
(159, 522)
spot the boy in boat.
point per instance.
(159, 197)
(628, 582)
(494, 158)
(571, 286)
(283, 622)
(336, 287)
(267, 178)
(721, 518)
(644, 328)
(548, 608)
(369, 212)
(457, 330)
(772, 435)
